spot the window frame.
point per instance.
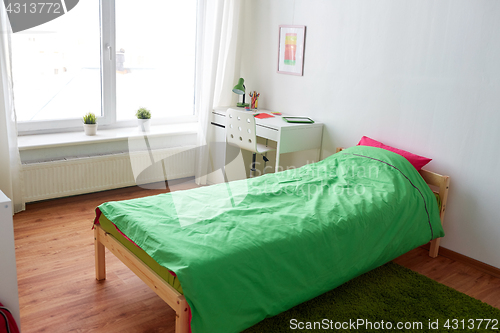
(106, 116)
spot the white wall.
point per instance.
(419, 75)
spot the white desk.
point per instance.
(289, 137)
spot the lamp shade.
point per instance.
(239, 88)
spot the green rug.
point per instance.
(380, 300)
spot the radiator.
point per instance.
(68, 177)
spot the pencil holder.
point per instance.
(255, 103)
(255, 100)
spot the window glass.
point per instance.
(56, 66)
(155, 57)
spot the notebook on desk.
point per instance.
(303, 120)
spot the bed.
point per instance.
(229, 255)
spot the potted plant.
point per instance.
(144, 118)
(90, 124)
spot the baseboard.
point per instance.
(479, 265)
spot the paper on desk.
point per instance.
(263, 116)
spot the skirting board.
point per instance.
(466, 260)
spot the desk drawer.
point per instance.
(267, 133)
(218, 119)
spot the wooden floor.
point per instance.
(58, 291)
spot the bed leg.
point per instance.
(182, 316)
(434, 249)
(100, 256)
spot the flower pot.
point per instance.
(144, 124)
(90, 129)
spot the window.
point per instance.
(109, 57)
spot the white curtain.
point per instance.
(217, 68)
(10, 162)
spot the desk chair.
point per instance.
(240, 132)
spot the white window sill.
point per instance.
(38, 141)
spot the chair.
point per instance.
(240, 132)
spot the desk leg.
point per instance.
(276, 167)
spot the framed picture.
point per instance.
(291, 49)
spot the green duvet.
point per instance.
(251, 249)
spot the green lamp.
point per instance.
(240, 90)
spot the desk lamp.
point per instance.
(240, 90)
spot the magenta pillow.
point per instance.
(417, 161)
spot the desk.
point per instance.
(289, 137)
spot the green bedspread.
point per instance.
(250, 249)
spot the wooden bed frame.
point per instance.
(172, 297)
(176, 300)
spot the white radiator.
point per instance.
(68, 177)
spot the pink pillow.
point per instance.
(417, 161)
